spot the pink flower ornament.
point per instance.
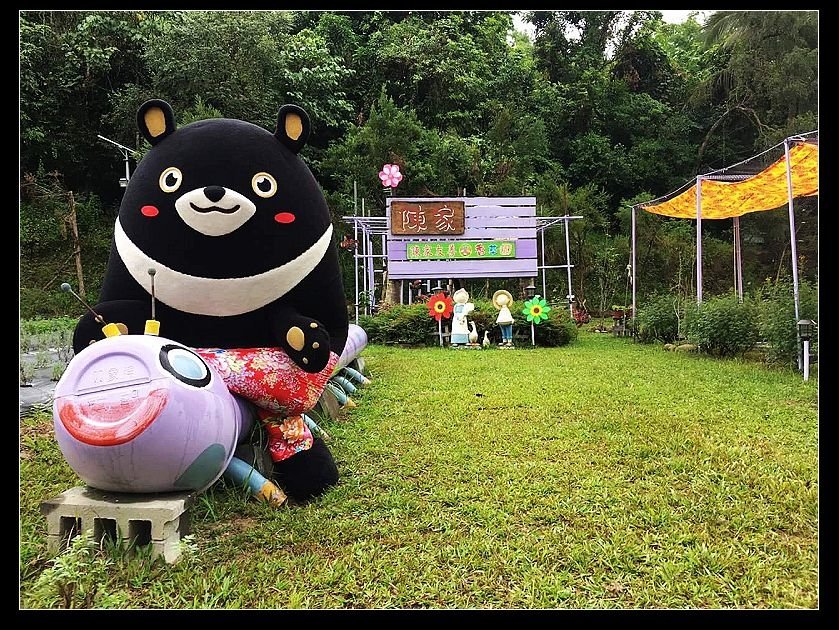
(390, 175)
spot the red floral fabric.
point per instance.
(281, 391)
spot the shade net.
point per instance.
(750, 186)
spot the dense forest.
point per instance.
(600, 110)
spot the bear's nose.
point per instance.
(214, 193)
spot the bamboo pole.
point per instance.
(77, 248)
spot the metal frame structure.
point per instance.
(367, 228)
(721, 175)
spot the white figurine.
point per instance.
(502, 300)
(473, 335)
(462, 307)
(485, 342)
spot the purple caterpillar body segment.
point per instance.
(140, 413)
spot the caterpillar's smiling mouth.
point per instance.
(215, 209)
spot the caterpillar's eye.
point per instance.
(184, 365)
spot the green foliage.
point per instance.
(75, 578)
(722, 326)
(35, 302)
(558, 330)
(658, 319)
(777, 318)
(604, 106)
(412, 325)
(401, 324)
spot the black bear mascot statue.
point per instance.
(245, 271)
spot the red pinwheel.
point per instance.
(440, 306)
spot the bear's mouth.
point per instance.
(219, 297)
(215, 209)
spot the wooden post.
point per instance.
(77, 248)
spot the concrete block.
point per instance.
(159, 520)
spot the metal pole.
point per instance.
(127, 173)
(738, 260)
(633, 262)
(364, 263)
(371, 270)
(532, 334)
(570, 295)
(734, 252)
(792, 244)
(807, 360)
(544, 271)
(355, 260)
(699, 239)
(354, 197)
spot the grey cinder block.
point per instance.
(159, 520)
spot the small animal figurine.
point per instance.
(485, 342)
(473, 335)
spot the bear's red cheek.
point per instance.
(284, 217)
(149, 211)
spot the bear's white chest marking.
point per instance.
(217, 296)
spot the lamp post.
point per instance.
(530, 291)
(805, 333)
(123, 181)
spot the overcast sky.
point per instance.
(672, 16)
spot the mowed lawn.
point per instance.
(606, 474)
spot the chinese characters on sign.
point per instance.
(439, 250)
(436, 217)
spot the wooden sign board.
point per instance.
(456, 250)
(427, 217)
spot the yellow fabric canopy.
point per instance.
(765, 191)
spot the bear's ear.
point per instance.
(155, 120)
(293, 127)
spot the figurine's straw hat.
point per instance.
(495, 298)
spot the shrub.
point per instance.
(722, 326)
(776, 317)
(412, 325)
(401, 324)
(658, 320)
(558, 330)
(42, 326)
(77, 578)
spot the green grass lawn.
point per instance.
(605, 474)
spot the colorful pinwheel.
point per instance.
(536, 309)
(440, 306)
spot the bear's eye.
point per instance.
(170, 179)
(264, 185)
